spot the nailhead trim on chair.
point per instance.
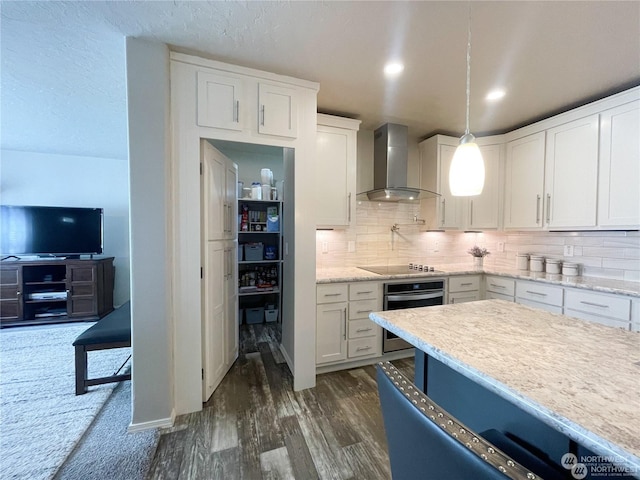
(457, 430)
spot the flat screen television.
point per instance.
(50, 231)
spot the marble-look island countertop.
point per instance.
(581, 378)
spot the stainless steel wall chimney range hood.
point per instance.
(390, 158)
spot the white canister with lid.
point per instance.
(522, 261)
(537, 263)
(570, 269)
(553, 266)
(256, 191)
(266, 192)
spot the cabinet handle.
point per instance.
(332, 294)
(360, 349)
(443, 211)
(466, 284)
(364, 293)
(536, 293)
(262, 115)
(237, 120)
(548, 208)
(497, 286)
(365, 311)
(537, 209)
(594, 304)
(359, 330)
(349, 207)
(344, 324)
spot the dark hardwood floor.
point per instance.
(256, 427)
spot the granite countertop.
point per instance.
(579, 377)
(605, 285)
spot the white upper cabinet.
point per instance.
(220, 98)
(336, 158)
(448, 212)
(524, 182)
(571, 174)
(278, 111)
(619, 181)
(483, 210)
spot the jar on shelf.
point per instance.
(570, 269)
(553, 266)
(522, 261)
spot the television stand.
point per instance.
(55, 290)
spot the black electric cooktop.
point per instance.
(399, 269)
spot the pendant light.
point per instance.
(466, 174)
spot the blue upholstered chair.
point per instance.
(425, 442)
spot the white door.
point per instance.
(524, 182)
(278, 114)
(571, 176)
(213, 318)
(215, 213)
(231, 303)
(219, 101)
(619, 195)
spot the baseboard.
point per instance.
(160, 423)
(286, 358)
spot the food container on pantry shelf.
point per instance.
(240, 188)
(246, 192)
(254, 315)
(536, 263)
(553, 266)
(570, 269)
(522, 261)
(266, 192)
(256, 191)
(266, 175)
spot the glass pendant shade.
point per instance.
(466, 174)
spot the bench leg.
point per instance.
(81, 370)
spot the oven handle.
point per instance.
(426, 296)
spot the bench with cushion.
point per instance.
(112, 331)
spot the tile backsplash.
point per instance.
(605, 254)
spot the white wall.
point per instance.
(29, 178)
(148, 127)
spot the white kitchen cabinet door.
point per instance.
(232, 334)
(213, 191)
(219, 101)
(524, 182)
(571, 174)
(618, 194)
(231, 200)
(484, 208)
(331, 332)
(335, 171)
(450, 207)
(278, 110)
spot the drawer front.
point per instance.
(82, 290)
(499, 296)
(9, 276)
(364, 347)
(618, 308)
(464, 284)
(332, 293)
(362, 328)
(462, 297)
(82, 274)
(505, 286)
(9, 292)
(363, 291)
(362, 308)
(9, 310)
(610, 322)
(542, 306)
(539, 293)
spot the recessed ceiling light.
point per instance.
(392, 69)
(494, 95)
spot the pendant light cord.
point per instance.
(468, 68)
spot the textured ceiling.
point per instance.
(63, 66)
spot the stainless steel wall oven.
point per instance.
(397, 296)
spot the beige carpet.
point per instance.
(41, 418)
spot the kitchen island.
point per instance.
(570, 378)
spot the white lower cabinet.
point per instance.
(464, 289)
(611, 310)
(500, 288)
(546, 297)
(343, 329)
